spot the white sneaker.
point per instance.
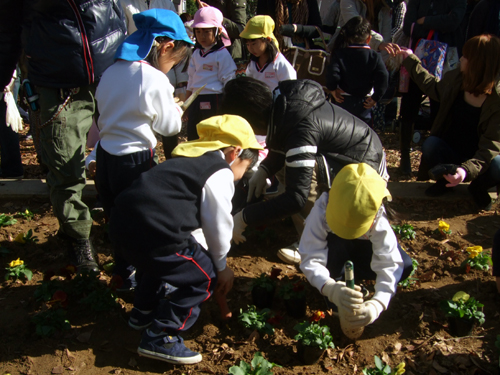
(290, 254)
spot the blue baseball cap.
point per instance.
(150, 24)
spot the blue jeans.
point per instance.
(436, 151)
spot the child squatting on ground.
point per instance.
(211, 64)
(267, 64)
(135, 99)
(356, 75)
(350, 223)
(153, 224)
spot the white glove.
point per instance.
(257, 184)
(366, 314)
(342, 296)
(239, 226)
(12, 116)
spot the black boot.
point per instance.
(405, 133)
(479, 190)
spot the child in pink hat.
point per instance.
(211, 65)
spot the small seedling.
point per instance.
(291, 288)
(49, 321)
(477, 259)
(101, 299)
(258, 366)
(410, 280)
(26, 238)
(463, 306)
(27, 215)
(46, 289)
(381, 369)
(256, 320)
(6, 220)
(443, 229)
(405, 231)
(313, 334)
(265, 281)
(18, 270)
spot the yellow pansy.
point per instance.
(474, 251)
(400, 369)
(20, 238)
(444, 226)
(15, 263)
(460, 296)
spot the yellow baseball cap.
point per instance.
(218, 132)
(259, 27)
(355, 197)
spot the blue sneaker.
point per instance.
(138, 320)
(166, 348)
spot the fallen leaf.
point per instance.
(386, 358)
(69, 355)
(58, 370)
(439, 368)
(397, 348)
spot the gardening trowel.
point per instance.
(192, 98)
(351, 333)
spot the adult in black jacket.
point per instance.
(68, 45)
(309, 139)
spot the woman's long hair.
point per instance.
(483, 64)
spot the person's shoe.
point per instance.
(128, 284)
(139, 320)
(81, 254)
(290, 254)
(438, 189)
(166, 348)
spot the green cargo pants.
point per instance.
(63, 152)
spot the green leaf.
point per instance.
(27, 272)
(235, 370)
(378, 363)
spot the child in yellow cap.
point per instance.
(158, 223)
(267, 64)
(350, 223)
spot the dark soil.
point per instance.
(413, 330)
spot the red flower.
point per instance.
(317, 316)
(275, 320)
(115, 282)
(275, 272)
(59, 297)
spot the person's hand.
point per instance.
(369, 103)
(337, 95)
(201, 4)
(257, 184)
(391, 48)
(342, 296)
(420, 21)
(455, 179)
(288, 30)
(405, 52)
(366, 314)
(92, 168)
(12, 116)
(239, 226)
(225, 280)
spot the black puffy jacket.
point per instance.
(68, 43)
(305, 128)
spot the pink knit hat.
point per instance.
(208, 17)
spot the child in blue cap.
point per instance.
(135, 99)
